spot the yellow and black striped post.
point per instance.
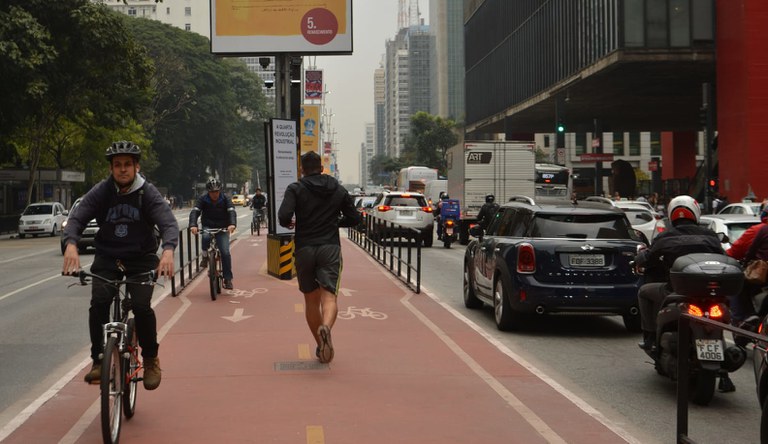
(280, 256)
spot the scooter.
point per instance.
(701, 285)
(449, 214)
(449, 231)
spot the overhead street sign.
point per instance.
(596, 157)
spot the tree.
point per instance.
(82, 66)
(429, 139)
(383, 169)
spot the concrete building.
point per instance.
(189, 15)
(446, 25)
(367, 151)
(379, 93)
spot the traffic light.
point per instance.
(703, 117)
(560, 126)
(713, 185)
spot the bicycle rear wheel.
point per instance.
(111, 392)
(219, 273)
(253, 224)
(258, 227)
(131, 370)
(213, 274)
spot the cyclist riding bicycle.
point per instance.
(215, 210)
(259, 204)
(127, 208)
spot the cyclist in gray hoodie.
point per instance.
(321, 206)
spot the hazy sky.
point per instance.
(350, 78)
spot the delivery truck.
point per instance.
(478, 168)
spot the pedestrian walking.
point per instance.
(320, 206)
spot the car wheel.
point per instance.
(470, 298)
(506, 318)
(22, 235)
(428, 237)
(53, 230)
(632, 323)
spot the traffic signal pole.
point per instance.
(707, 123)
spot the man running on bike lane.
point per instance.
(217, 211)
(127, 208)
(258, 203)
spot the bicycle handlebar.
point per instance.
(213, 230)
(146, 278)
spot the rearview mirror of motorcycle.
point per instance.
(723, 238)
(476, 231)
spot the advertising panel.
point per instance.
(310, 128)
(313, 84)
(240, 27)
(284, 164)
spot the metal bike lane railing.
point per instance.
(684, 350)
(402, 261)
(188, 264)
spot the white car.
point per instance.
(398, 212)
(88, 238)
(752, 208)
(640, 214)
(42, 218)
(732, 225)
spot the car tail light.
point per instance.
(695, 310)
(426, 209)
(526, 259)
(660, 228)
(449, 223)
(383, 208)
(715, 312)
(405, 195)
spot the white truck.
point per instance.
(478, 168)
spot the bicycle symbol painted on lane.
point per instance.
(238, 293)
(352, 312)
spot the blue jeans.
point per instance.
(222, 240)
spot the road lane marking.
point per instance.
(28, 255)
(304, 351)
(315, 435)
(37, 283)
(527, 414)
(298, 308)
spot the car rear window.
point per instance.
(735, 230)
(38, 209)
(402, 201)
(638, 216)
(581, 226)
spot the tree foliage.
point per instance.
(429, 139)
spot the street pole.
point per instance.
(706, 108)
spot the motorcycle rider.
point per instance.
(443, 196)
(684, 237)
(487, 211)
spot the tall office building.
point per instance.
(189, 15)
(446, 25)
(378, 108)
(367, 151)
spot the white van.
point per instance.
(433, 189)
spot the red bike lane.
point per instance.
(241, 369)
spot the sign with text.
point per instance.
(310, 127)
(240, 27)
(596, 157)
(284, 163)
(313, 84)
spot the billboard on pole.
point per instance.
(281, 26)
(313, 84)
(310, 127)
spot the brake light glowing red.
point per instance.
(694, 310)
(384, 208)
(659, 229)
(426, 209)
(715, 312)
(526, 259)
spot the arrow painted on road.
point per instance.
(237, 316)
(346, 291)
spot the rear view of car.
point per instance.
(400, 213)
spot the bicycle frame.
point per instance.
(215, 273)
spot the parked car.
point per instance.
(42, 218)
(752, 208)
(238, 199)
(732, 225)
(549, 258)
(398, 212)
(88, 236)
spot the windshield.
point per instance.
(38, 209)
(402, 201)
(581, 226)
(735, 230)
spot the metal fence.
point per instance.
(396, 247)
(188, 263)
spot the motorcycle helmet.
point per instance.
(683, 207)
(123, 147)
(213, 184)
(444, 196)
(490, 198)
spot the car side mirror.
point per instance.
(476, 231)
(723, 238)
(65, 213)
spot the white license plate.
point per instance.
(33, 227)
(710, 349)
(406, 212)
(587, 260)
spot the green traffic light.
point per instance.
(561, 128)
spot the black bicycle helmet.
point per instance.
(213, 184)
(123, 147)
(490, 198)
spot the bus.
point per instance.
(415, 178)
(552, 181)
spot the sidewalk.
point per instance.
(242, 370)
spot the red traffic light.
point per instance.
(712, 182)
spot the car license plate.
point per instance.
(587, 260)
(33, 227)
(710, 349)
(406, 212)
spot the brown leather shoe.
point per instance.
(152, 373)
(94, 376)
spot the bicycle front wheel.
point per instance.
(111, 392)
(258, 227)
(219, 273)
(131, 370)
(213, 274)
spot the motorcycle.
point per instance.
(702, 284)
(449, 214)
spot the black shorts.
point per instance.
(318, 266)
